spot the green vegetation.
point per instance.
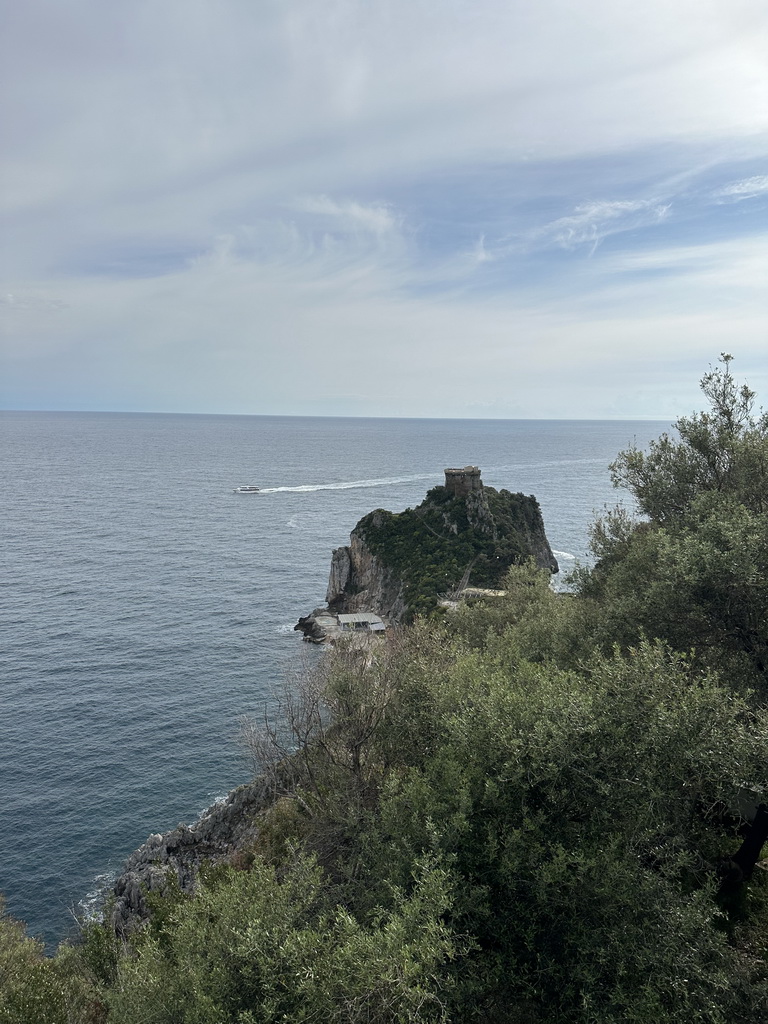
(447, 541)
(36, 990)
(528, 813)
(695, 572)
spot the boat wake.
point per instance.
(348, 485)
(565, 555)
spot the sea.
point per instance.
(146, 607)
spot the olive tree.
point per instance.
(694, 569)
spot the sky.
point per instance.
(440, 208)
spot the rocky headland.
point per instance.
(175, 857)
(398, 565)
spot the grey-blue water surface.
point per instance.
(145, 606)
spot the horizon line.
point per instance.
(341, 416)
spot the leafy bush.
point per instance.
(575, 809)
(696, 571)
(38, 990)
(252, 949)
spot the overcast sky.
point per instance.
(484, 208)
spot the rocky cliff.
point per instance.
(177, 856)
(401, 564)
(361, 581)
(397, 565)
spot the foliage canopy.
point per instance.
(695, 570)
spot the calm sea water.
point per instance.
(144, 606)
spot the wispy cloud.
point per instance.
(29, 302)
(378, 218)
(479, 254)
(591, 222)
(748, 188)
(204, 195)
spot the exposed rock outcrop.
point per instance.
(215, 837)
(361, 581)
(318, 626)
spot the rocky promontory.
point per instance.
(399, 565)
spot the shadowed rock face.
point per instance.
(360, 581)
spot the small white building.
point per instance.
(361, 621)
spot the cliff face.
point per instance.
(399, 565)
(530, 528)
(360, 581)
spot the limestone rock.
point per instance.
(341, 570)
(216, 836)
(360, 581)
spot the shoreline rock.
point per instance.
(319, 626)
(215, 837)
(322, 626)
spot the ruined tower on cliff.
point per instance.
(461, 482)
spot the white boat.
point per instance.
(246, 489)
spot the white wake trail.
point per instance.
(347, 485)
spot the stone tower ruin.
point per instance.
(461, 482)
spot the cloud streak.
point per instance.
(749, 188)
(592, 222)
